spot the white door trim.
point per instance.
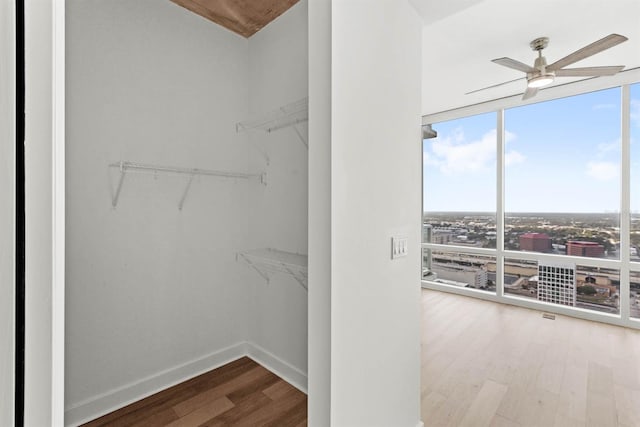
(7, 211)
(44, 212)
(58, 223)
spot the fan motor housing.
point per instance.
(539, 43)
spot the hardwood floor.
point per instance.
(489, 364)
(241, 393)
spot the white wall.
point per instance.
(7, 210)
(278, 75)
(149, 287)
(319, 403)
(376, 175)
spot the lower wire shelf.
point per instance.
(269, 261)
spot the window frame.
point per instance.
(624, 265)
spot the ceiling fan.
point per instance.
(542, 74)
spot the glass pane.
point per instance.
(562, 283)
(563, 196)
(460, 270)
(635, 172)
(605, 282)
(427, 273)
(635, 199)
(635, 294)
(459, 182)
(520, 278)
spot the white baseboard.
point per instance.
(104, 403)
(284, 370)
(420, 424)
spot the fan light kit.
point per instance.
(541, 74)
(540, 81)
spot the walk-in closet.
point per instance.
(186, 199)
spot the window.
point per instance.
(562, 185)
(634, 229)
(460, 173)
(525, 204)
(634, 300)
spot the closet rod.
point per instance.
(131, 166)
(125, 167)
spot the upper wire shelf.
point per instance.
(126, 167)
(269, 261)
(290, 115)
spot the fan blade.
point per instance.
(496, 85)
(589, 71)
(516, 65)
(530, 93)
(595, 47)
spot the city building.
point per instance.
(557, 283)
(473, 276)
(582, 248)
(442, 237)
(438, 235)
(427, 231)
(600, 282)
(535, 242)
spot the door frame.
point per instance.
(44, 24)
(10, 242)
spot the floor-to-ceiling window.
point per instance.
(460, 178)
(634, 229)
(536, 205)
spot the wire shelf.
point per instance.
(288, 115)
(128, 167)
(269, 261)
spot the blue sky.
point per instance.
(561, 156)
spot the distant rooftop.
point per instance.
(582, 243)
(452, 283)
(535, 235)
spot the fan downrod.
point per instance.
(539, 43)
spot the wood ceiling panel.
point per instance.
(244, 17)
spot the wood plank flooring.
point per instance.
(241, 393)
(489, 364)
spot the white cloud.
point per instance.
(428, 160)
(513, 157)
(602, 171)
(635, 112)
(604, 106)
(606, 147)
(454, 155)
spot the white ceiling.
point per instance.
(460, 38)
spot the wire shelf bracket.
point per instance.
(290, 115)
(128, 167)
(267, 262)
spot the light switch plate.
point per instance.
(399, 246)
